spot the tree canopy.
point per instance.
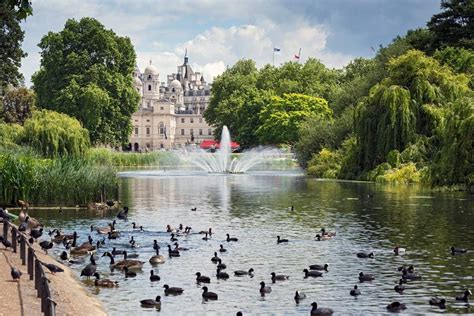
(54, 134)
(17, 105)
(86, 72)
(11, 37)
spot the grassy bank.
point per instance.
(104, 156)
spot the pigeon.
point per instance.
(16, 274)
(5, 243)
(51, 267)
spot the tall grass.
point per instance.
(61, 181)
(104, 156)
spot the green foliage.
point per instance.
(454, 26)
(17, 105)
(54, 134)
(402, 105)
(22, 8)
(282, 117)
(11, 37)
(10, 135)
(53, 182)
(454, 161)
(393, 158)
(404, 174)
(242, 92)
(86, 72)
(104, 156)
(325, 164)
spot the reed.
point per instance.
(104, 156)
(59, 181)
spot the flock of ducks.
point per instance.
(129, 265)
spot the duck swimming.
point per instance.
(104, 282)
(355, 291)
(243, 272)
(410, 275)
(222, 249)
(129, 263)
(366, 277)
(221, 265)
(440, 302)
(202, 278)
(230, 239)
(399, 287)
(173, 290)
(221, 275)
(215, 259)
(208, 295)
(154, 277)
(151, 303)
(456, 250)
(319, 267)
(322, 238)
(173, 253)
(329, 234)
(365, 255)
(129, 274)
(264, 289)
(299, 296)
(157, 259)
(399, 250)
(396, 307)
(465, 296)
(279, 277)
(320, 311)
(313, 274)
(279, 241)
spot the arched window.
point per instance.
(172, 90)
(149, 77)
(149, 87)
(162, 128)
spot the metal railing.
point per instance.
(34, 267)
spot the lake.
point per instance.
(255, 208)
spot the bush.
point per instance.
(405, 174)
(325, 164)
(54, 134)
(10, 135)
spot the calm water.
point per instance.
(255, 208)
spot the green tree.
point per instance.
(86, 72)
(454, 26)
(21, 7)
(11, 37)
(17, 105)
(282, 117)
(55, 134)
(401, 106)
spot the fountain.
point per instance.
(222, 162)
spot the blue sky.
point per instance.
(218, 33)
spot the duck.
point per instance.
(325, 233)
(155, 245)
(129, 274)
(243, 272)
(313, 274)
(157, 259)
(399, 250)
(154, 277)
(410, 268)
(410, 275)
(169, 229)
(45, 245)
(172, 290)
(117, 252)
(355, 291)
(205, 237)
(129, 263)
(89, 269)
(151, 303)
(396, 307)
(279, 241)
(135, 226)
(320, 311)
(322, 238)
(365, 255)
(105, 230)
(15, 273)
(172, 238)
(215, 259)
(399, 287)
(177, 247)
(440, 302)
(230, 239)
(221, 275)
(208, 295)
(279, 277)
(203, 232)
(221, 265)
(264, 289)
(173, 253)
(366, 277)
(36, 233)
(202, 278)
(51, 267)
(465, 296)
(193, 209)
(222, 249)
(299, 296)
(64, 256)
(123, 214)
(113, 235)
(319, 267)
(104, 282)
(33, 223)
(456, 250)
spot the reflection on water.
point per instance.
(255, 208)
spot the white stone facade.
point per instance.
(170, 114)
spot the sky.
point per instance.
(217, 33)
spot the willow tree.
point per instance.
(55, 134)
(399, 108)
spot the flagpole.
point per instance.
(299, 54)
(273, 57)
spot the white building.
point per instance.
(170, 114)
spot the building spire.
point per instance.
(150, 61)
(186, 56)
